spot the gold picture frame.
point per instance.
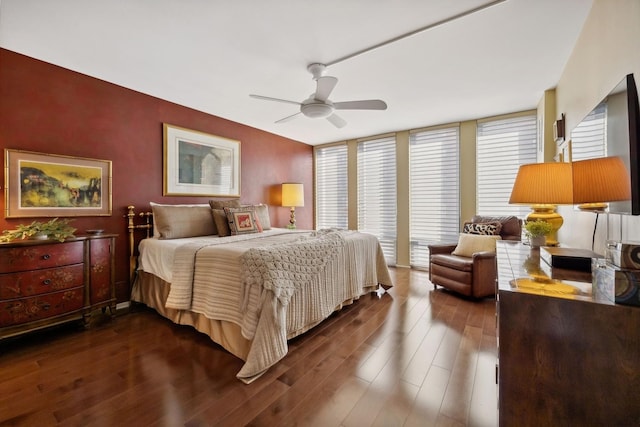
(48, 185)
(199, 164)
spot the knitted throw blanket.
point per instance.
(285, 268)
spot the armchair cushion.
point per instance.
(468, 244)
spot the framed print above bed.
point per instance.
(46, 185)
(199, 164)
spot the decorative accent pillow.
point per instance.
(220, 219)
(511, 225)
(177, 221)
(468, 244)
(484, 228)
(262, 215)
(221, 204)
(242, 220)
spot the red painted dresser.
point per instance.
(44, 283)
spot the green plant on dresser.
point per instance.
(55, 229)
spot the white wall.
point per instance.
(608, 49)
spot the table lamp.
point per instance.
(292, 196)
(543, 186)
(600, 180)
(589, 183)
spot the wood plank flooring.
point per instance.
(410, 357)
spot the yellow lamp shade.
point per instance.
(603, 179)
(543, 183)
(292, 194)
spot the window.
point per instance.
(589, 138)
(331, 187)
(377, 192)
(502, 146)
(434, 191)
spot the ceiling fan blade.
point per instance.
(337, 121)
(324, 87)
(368, 104)
(268, 98)
(288, 118)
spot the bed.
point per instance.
(253, 289)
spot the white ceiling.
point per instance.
(211, 54)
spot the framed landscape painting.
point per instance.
(200, 164)
(46, 185)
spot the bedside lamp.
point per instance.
(543, 186)
(292, 196)
(597, 181)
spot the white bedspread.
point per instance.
(206, 279)
(156, 255)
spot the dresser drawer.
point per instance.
(24, 310)
(29, 283)
(14, 259)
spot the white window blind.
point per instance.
(589, 138)
(377, 192)
(502, 146)
(331, 187)
(434, 170)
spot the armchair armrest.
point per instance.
(484, 273)
(442, 248)
(484, 255)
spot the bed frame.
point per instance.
(132, 227)
(153, 291)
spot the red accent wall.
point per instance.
(49, 109)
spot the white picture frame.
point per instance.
(199, 164)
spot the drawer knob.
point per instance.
(46, 256)
(46, 281)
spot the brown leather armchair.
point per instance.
(473, 276)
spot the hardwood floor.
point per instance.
(411, 357)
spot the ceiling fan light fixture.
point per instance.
(316, 110)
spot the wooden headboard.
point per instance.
(147, 225)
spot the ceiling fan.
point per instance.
(318, 105)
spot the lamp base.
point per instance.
(548, 214)
(292, 219)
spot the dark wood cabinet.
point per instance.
(565, 357)
(101, 272)
(44, 283)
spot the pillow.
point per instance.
(220, 219)
(221, 204)
(242, 220)
(156, 232)
(262, 215)
(484, 228)
(468, 244)
(177, 221)
(511, 225)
